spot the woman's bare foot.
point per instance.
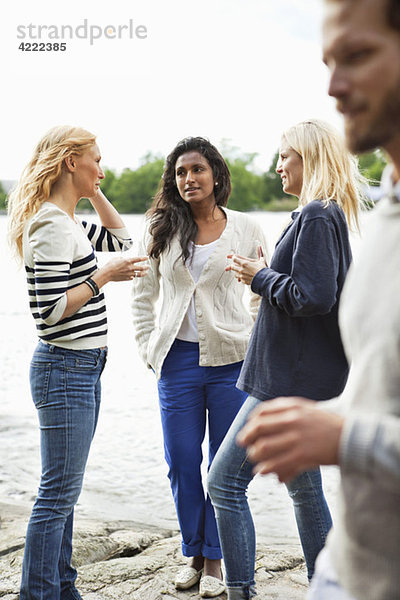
(197, 562)
(212, 568)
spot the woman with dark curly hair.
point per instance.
(197, 345)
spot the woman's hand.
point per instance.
(121, 269)
(244, 269)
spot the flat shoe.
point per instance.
(187, 577)
(211, 586)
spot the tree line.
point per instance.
(132, 190)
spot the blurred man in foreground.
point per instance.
(360, 431)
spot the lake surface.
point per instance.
(126, 475)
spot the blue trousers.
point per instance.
(228, 481)
(187, 394)
(65, 387)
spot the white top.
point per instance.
(200, 255)
(223, 321)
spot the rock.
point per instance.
(300, 578)
(131, 561)
(13, 521)
(95, 542)
(279, 560)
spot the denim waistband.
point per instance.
(97, 352)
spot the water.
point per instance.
(126, 475)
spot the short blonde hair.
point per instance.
(40, 174)
(330, 171)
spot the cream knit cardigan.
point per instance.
(224, 323)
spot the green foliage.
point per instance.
(371, 165)
(85, 206)
(108, 182)
(132, 191)
(247, 187)
(253, 191)
(3, 197)
(286, 204)
(274, 197)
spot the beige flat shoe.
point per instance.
(211, 586)
(187, 577)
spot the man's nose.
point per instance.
(338, 83)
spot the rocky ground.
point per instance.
(130, 561)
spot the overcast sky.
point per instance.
(237, 70)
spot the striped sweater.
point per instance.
(59, 255)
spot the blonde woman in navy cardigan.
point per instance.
(295, 348)
(67, 304)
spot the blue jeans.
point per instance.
(65, 387)
(187, 392)
(228, 480)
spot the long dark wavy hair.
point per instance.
(170, 215)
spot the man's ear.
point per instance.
(70, 163)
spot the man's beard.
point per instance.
(381, 130)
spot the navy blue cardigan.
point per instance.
(295, 347)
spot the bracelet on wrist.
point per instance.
(93, 286)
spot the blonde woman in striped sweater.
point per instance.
(67, 304)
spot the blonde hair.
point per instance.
(330, 171)
(39, 176)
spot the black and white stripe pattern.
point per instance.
(48, 283)
(102, 239)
